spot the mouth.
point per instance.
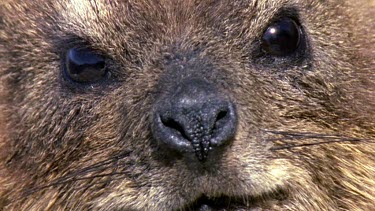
(221, 203)
(226, 203)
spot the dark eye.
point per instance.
(84, 66)
(281, 38)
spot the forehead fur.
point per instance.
(99, 20)
(116, 26)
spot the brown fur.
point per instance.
(64, 147)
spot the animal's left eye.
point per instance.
(281, 38)
(84, 65)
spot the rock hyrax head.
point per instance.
(184, 104)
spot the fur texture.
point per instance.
(305, 139)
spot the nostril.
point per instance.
(221, 115)
(172, 124)
(219, 121)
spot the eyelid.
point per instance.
(88, 58)
(84, 66)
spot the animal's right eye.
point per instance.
(84, 65)
(281, 38)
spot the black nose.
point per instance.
(195, 119)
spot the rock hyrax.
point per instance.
(187, 105)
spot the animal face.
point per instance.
(165, 105)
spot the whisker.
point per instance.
(313, 138)
(75, 176)
(302, 135)
(71, 180)
(316, 143)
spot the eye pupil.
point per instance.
(281, 38)
(83, 65)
